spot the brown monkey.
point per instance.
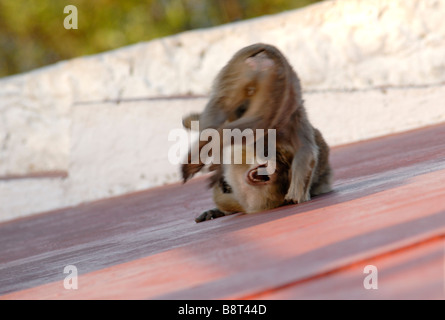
(259, 89)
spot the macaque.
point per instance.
(258, 89)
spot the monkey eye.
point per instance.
(242, 108)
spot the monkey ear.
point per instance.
(254, 178)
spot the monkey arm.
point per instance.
(303, 167)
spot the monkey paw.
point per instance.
(288, 202)
(295, 200)
(209, 215)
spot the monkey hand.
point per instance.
(287, 202)
(296, 194)
(209, 215)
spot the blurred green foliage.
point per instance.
(32, 32)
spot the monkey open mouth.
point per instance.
(254, 178)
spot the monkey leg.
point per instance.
(322, 182)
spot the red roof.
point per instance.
(387, 210)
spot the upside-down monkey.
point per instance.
(258, 89)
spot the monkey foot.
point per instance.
(209, 215)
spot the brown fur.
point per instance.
(258, 89)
